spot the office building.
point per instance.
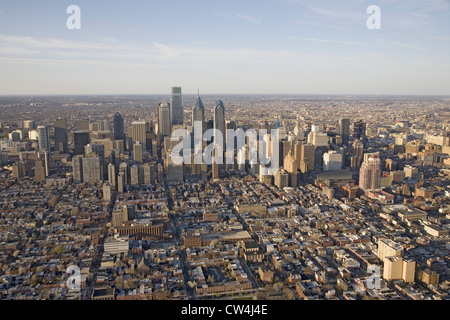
(370, 174)
(61, 135)
(112, 178)
(92, 169)
(344, 130)
(118, 128)
(359, 130)
(81, 139)
(39, 171)
(43, 138)
(164, 125)
(219, 121)
(77, 168)
(82, 125)
(138, 133)
(332, 160)
(137, 153)
(307, 158)
(176, 107)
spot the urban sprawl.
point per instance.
(94, 207)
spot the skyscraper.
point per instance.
(176, 107)
(61, 135)
(43, 138)
(307, 158)
(164, 125)
(219, 120)
(138, 133)
(332, 161)
(118, 127)
(77, 168)
(198, 114)
(81, 139)
(137, 153)
(359, 130)
(370, 173)
(92, 169)
(344, 130)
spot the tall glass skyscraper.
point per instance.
(164, 126)
(118, 127)
(61, 135)
(176, 107)
(344, 130)
(43, 138)
(198, 112)
(219, 118)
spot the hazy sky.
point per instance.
(264, 46)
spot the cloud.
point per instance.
(419, 15)
(248, 18)
(327, 40)
(340, 14)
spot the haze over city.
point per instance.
(276, 46)
(224, 155)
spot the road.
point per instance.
(96, 260)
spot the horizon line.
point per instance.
(227, 94)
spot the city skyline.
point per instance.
(276, 47)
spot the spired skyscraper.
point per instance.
(176, 107)
(219, 120)
(198, 112)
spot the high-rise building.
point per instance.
(92, 169)
(318, 139)
(359, 130)
(81, 139)
(358, 152)
(198, 117)
(344, 130)
(138, 133)
(176, 107)
(43, 138)
(137, 153)
(77, 168)
(370, 173)
(332, 160)
(119, 133)
(389, 248)
(219, 121)
(39, 171)
(112, 174)
(164, 125)
(121, 182)
(82, 125)
(61, 135)
(215, 164)
(307, 158)
(19, 170)
(136, 175)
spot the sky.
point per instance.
(225, 47)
